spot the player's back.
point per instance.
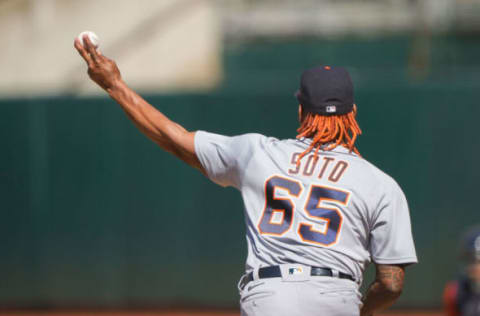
(322, 211)
(312, 223)
(336, 211)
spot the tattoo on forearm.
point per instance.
(384, 290)
(391, 276)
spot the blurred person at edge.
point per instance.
(462, 296)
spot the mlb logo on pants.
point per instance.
(293, 271)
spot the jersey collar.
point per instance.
(339, 149)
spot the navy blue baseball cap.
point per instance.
(326, 90)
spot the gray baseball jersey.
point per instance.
(336, 210)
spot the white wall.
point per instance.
(159, 45)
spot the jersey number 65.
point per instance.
(277, 216)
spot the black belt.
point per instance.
(274, 272)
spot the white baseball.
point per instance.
(91, 36)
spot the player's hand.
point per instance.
(101, 69)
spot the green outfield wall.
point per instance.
(94, 214)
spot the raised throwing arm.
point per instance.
(169, 135)
(385, 290)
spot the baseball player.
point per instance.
(462, 296)
(316, 212)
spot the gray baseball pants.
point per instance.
(300, 294)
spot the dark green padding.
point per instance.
(94, 214)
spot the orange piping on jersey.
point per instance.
(285, 199)
(325, 165)
(327, 132)
(339, 175)
(336, 210)
(309, 165)
(294, 161)
(271, 217)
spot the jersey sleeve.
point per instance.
(224, 158)
(391, 240)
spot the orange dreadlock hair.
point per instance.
(332, 130)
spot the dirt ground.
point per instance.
(178, 313)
